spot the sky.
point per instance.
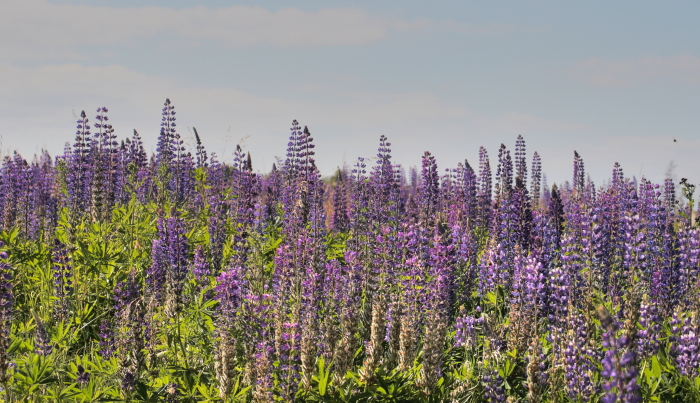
(616, 81)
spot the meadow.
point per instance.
(174, 277)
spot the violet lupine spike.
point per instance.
(504, 173)
(42, 340)
(78, 176)
(528, 287)
(106, 339)
(536, 181)
(263, 387)
(493, 389)
(522, 215)
(466, 258)
(384, 201)
(466, 331)
(104, 166)
(245, 188)
(578, 360)
(685, 347)
(650, 322)
(202, 161)
(9, 192)
(165, 150)
(177, 268)
(429, 189)
(230, 293)
(303, 191)
(332, 287)
(309, 312)
(618, 364)
(350, 303)
(579, 174)
(83, 376)
(200, 266)
(339, 218)
(520, 159)
(317, 212)
(412, 280)
(156, 273)
(230, 290)
(471, 192)
(136, 172)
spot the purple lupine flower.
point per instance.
(339, 218)
(528, 286)
(156, 273)
(200, 266)
(177, 265)
(19, 195)
(520, 159)
(79, 173)
(230, 290)
(106, 337)
(536, 181)
(576, 248)
(429, 189)
(165, 151)
(466, 327)
(466, 258)
(303, 192)
(471, 199)
(618, 364)
(245, 188)
(350, 294)
(650, 321)
(493, 386)
(555, 210)
(504, 173)
(309, 313)
(332, 288)
(104, 167)
(579, 175)
(126, 293)
(685, 347)
(537, 374)
(264, 381)
(42, 340)
(83, 376)
(9, 193)
(413, 284)
(230, 293)
(578, 359)
(202, 161)
(42, 197)
(136, 173)
(559, 302)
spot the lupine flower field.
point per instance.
(177, 278)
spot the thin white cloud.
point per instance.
(609, 73)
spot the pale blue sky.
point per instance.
(617, 82)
